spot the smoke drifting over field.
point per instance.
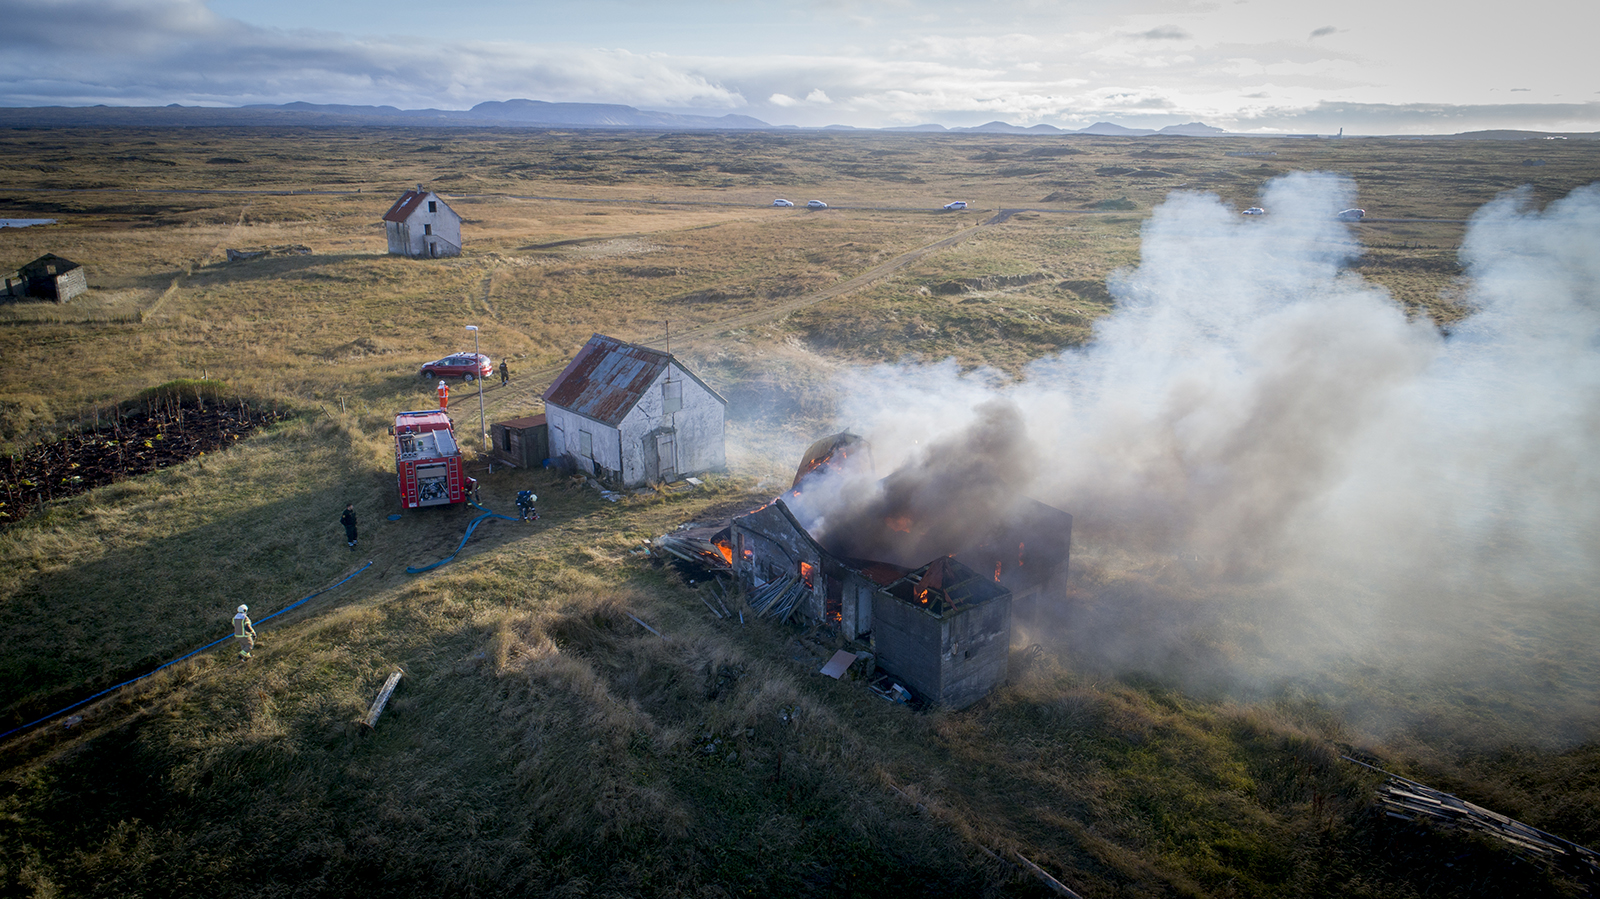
(1278, 479)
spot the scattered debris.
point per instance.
(839, 664)
(645, 626)
(371, 721)
(888, 689)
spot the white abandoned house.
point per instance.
(50, 277)
(630, 415)
(936, 603)
(421, 225)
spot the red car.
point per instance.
(460, 365)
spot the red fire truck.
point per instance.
(428, 461)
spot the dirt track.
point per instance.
(527, 386)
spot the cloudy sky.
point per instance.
(1367, 66)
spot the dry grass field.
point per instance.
(542, 743)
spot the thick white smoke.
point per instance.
(1265, 456)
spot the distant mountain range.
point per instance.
(515, 113)
(535, 114)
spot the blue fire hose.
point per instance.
(175, 661)
(487, 514)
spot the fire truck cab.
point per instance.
(428, 461)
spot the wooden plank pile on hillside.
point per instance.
(1408, 800)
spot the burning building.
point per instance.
(933, 581)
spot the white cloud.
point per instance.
(896, 61)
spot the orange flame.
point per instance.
(901, 524)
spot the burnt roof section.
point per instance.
(945, 586)
(829, 450)
(607, 378)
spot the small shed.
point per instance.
(421, 225)
(521, 442)
(50, 277)
(631, 415)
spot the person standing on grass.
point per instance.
(245, 632)
(505, 373)
(348, 519)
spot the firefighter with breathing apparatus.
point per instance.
(244, 632)
(525, 501)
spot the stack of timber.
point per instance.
(1412, 801)
(779, 598)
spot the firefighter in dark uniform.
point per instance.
(348, 519)
(525, 500)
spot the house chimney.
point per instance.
(419, 187)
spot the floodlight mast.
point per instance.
(482, 428)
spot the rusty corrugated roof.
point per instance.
(403, 207)
(608, 377)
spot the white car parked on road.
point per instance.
(816, 204)
(959, 204)
(781, 202)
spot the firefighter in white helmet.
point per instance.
(444, 395)
(244, 631)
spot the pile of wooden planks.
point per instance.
(779, 599)
(1412, 801)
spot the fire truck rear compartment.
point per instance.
(433, 484)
